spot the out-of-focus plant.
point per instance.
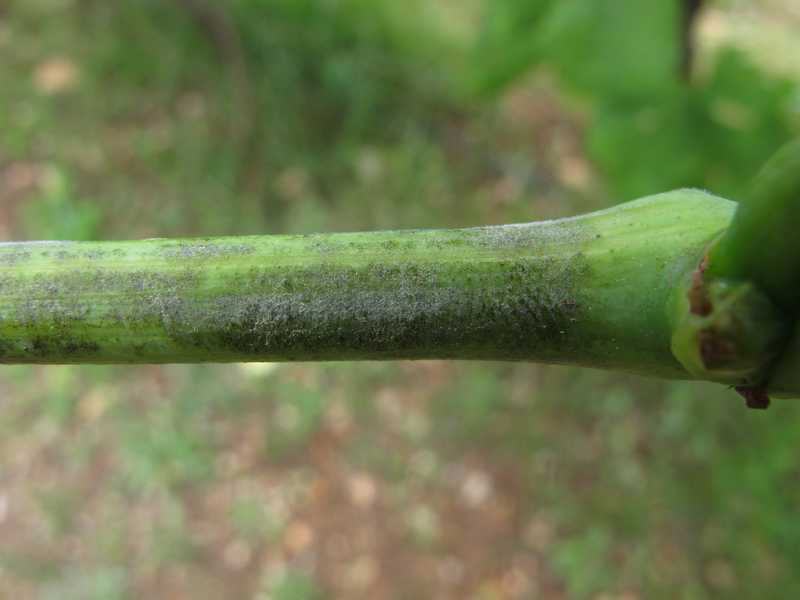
(650, 126)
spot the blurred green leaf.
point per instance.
(295, 586)
(621, 48)
(583, 561)
(58, 213)
(106, 583)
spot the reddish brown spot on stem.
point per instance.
(699, 303)
(754, 397)
(716, 351)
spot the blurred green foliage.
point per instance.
(649, 128)
(295, 586)
(58, 210)
(155, 117)
(101, 584)
(623, 50)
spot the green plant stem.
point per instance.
(762, 244)
(593, 290)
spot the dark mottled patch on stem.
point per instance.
(513, 309)
(43, 346)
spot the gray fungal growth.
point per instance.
(388, 311)
(203, 249)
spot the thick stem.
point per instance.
(592, 290)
